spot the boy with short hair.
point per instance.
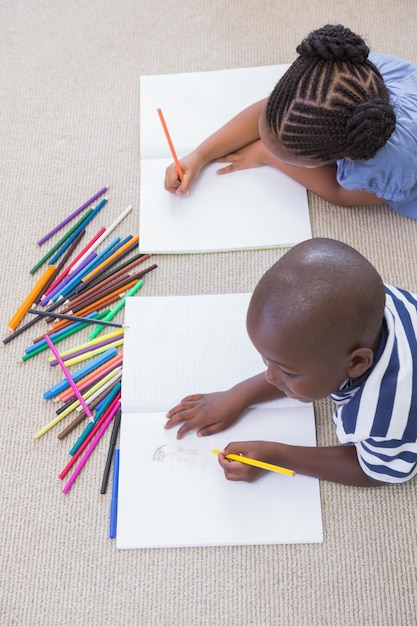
(326, 325)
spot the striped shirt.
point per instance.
(378, 412)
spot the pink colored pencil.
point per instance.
(87, 440)
(91, 448)
(69, 267)
(92, 378)
(100, 344)
(68, 377)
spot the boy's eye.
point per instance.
(270, 363)
(289, 374)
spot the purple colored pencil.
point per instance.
(70, 217)
(87, 349)
(51, 295)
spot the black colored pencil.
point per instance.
(74, 318)
(112, 445)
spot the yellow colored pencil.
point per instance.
(104, 382)
(51, 424)
(255, 463)
(84, 382)
(73, 406)
(87, 395)
(91, 353)
(116, 334)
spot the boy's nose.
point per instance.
(272, 375)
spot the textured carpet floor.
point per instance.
(69, 84)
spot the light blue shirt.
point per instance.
(392, 173)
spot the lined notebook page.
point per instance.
(178, 345)
(175, 346)
(253, 208)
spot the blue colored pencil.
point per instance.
(114, 495)
(83, 270)
(57, 290)
(82, 371)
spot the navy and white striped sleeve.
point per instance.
(387, 461)
(379, 415)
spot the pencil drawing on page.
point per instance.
(176, 454)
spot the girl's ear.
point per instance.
(360, 360)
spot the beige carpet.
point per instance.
(68, 125)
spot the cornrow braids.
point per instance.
(332, 102)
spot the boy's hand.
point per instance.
(233, 470)
(207, 413)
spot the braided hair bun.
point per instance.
(331, 43)
(373, 118)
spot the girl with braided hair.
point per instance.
(341, 121)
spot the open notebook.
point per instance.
(253, 208)
(173, 492)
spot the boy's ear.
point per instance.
(360, 360)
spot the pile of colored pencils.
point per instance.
(77, 291)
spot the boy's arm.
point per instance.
(211, 413)
(334, 463)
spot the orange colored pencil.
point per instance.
(31, 297)
(123, 272)
(104, 298)
(129, 244)
(87, 297)
(107, 300)
(171, 146)
(100, 293)
(85, 380)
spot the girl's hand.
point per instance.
(191, 166)
(253, 155)
(259, 450)
(207, 413)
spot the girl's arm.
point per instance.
(322, 181)
(240, 131)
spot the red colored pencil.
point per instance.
(68, 268)
(89, 437)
